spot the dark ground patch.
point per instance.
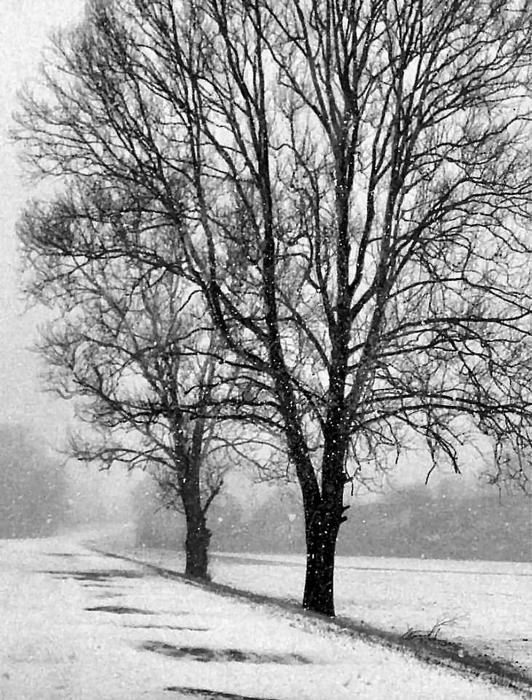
(119, 610)
(205, 654)
(109, 595)
(97, 575)
(211, 694)
(64, 554)
(169, 627)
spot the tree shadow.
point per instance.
(169, 627)
(211, 694)
(108, 595)
(119, 610)
(97, 575)
(205, 654)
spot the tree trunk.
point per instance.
(197, 547)
(321, 533)
(198, 534)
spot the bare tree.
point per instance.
(135, 347)
(355, 181)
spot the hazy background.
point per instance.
(452, 517)
(25, 410)
(24, 27)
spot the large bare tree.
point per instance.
(355, 179)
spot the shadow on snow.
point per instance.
(119, 610)
(211, 694)
(204, 654)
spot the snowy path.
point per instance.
(82, 626)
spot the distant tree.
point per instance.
(31, 485)
(447, 523)
(355, 179)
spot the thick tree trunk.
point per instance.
(197, 547)
(321, 533)
(198, 535)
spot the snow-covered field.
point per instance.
(82, 626)
(484, 605)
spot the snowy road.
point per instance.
(82, 626)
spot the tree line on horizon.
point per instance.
(291, 238)
(414, 522)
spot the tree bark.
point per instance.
(321, 533)
(197, 547)
(198, 534)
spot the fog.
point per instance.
(42, 494)
(419, 522)
(31, 485)
(24, 30)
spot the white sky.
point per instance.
(24, 28)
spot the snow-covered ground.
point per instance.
(82, 626)
(484, 605)
(487, 605)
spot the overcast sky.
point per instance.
(24, 28)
